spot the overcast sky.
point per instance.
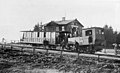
(18, 15)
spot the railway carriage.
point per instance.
(37, 38)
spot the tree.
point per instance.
(118, 38)
(36, 28)
(115, 36)
(109, 36)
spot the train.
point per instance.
(66, 33)
(92, 40)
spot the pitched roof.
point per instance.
(63, 21)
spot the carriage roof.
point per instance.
(92, 28)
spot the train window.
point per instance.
(23, 36)
(102, 31)
(31, 34)
(63, 29)
(99, 31)
(88, 32)
(44, 34)
(38, 34)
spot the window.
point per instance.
(102, 31)
(23, 36)
(57, 28)
(73, 29)
(44, 34)
(38, 34)
(75, 23)
(99, 31)
(88, 32)
(31, 34)
(63, 29)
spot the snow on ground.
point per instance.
(108, 51)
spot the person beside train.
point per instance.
(76, 46)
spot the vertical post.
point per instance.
(90, 48)
(77, 47)
(62, 48)
(115, 48)
(2, 47)
(105, 46)
(11, 47)
(3, 43)
(46, 50)
(90, 40)
(61, 52)
(98, 58)
(5, 46)
(21, 50)
(77, 50)
(78, 54)
(46, 43)
(105, 50)
(34, 50)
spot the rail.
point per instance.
(22, 46)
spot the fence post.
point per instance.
(115, 48)
(61, 52)
(46, 49)
(2, 47)
(98, 58)
(34, 50)
(11, 47)
(21, 50)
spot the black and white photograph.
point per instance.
(59, 36)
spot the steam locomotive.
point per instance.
(66, 32)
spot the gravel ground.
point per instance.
(15, 61)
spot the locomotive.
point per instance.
(92, 40)
(55, 33)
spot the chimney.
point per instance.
(63, 18)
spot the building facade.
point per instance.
(72, 26)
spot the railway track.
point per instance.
(28, 47)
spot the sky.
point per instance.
(19, 15)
